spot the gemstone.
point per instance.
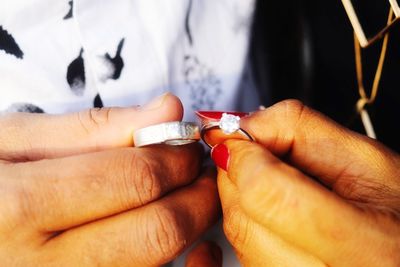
(229, 123)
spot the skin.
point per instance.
(74, 192)
(310, 193)
(205, 254)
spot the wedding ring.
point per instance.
(228, 127)
(170, 133)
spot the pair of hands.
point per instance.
(310, 193)
(75, 193)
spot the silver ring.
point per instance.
(229, 124)
(170, 133)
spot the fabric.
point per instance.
(63, 56)
(118, 53)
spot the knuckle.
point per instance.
(99, 116)
(289, 116)
(140, 181)
(166, 234)
(290, 109)
(25, 209)
(16, 132)
(94, 118)
(28, 201)
(289, 105)
(237, 229)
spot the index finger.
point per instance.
(324, 149)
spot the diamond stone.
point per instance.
(229, 123)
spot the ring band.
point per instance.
(229, 125)
(171, 133)
(212, 126)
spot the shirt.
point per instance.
(64, 55)
(67, 55)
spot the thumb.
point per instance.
(302, 212)
(27, 136)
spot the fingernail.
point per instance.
(155, 103)
(220, 155)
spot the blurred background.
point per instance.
(304, 49)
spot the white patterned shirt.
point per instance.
(67, 55)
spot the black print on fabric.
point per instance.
(204, 86)
(114, 64)
(76, 75)
(24, 107)
(8, 44)
(187, 22)
(69, 14)
(97, 102)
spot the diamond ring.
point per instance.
(219, 126)
(170, 133)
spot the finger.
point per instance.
(37, 136)
(148, 236)
(302, 212)
(96, 185)
(214, 135)
(206, 254)
(355, 166)
(256, 245)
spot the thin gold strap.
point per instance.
(364, 99)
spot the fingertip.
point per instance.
(118, 124)
(171, 108)
(216, 252)
(220, 156)
(164, 108)
(207, 253)
(275, 127)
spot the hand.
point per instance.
(205, 254)
(310, 193)
(73, 192)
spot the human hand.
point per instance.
(205, 254)
(73, 192)
(276, 214)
